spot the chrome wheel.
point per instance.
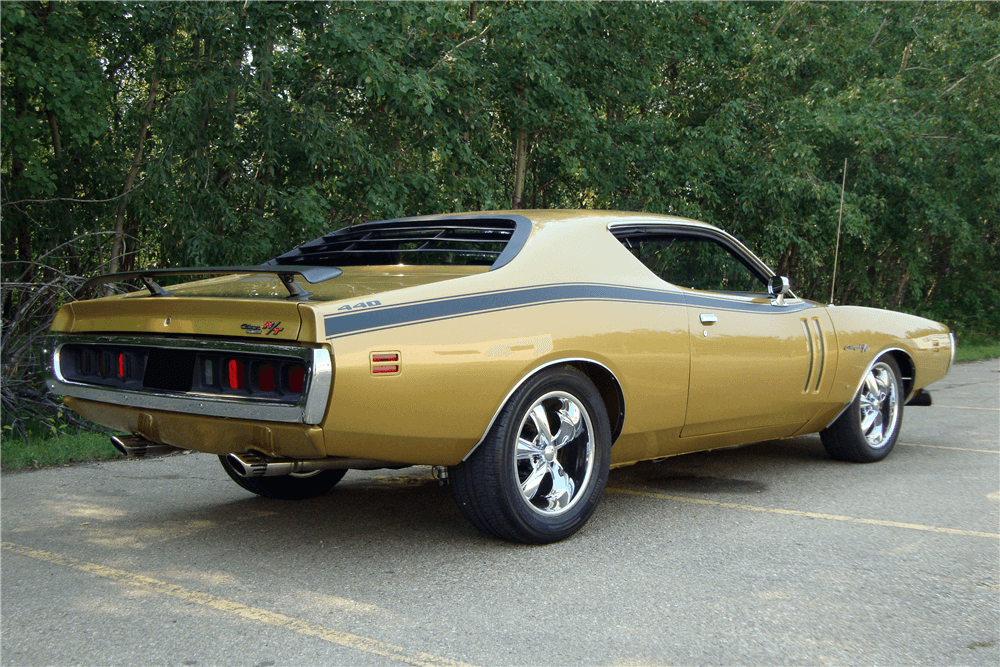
(867, 430)
(539, 473)
(555, 453)
(879, 405)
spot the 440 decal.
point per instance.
(359, 306)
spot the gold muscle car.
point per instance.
(520, 353)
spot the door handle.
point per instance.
(708, 318)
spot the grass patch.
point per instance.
(977, 352)
(40, 452)
(975, 347)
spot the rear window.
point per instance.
(482, 241)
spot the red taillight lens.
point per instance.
(265, 377)
(121, 365)
(296, 379)
(237, 374)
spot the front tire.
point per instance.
(287, 487)
(866, 432)
(538, 475)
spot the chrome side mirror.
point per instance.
(779, 287)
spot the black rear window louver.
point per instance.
(454, 241)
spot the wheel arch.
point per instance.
(907, 370)
(611, 393)
(606, 382)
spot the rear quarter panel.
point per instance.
(457, 368)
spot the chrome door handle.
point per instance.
(708, 318)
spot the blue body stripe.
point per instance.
(431, 310)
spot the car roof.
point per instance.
(578, 216)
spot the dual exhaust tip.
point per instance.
(136, 446)
(249, 464)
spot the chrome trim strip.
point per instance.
(532, 373)
(309, 410)
(952, 362)
(812, 355)
(320, 384)
(822, 352)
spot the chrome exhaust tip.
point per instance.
(136, 446)
(249, 464)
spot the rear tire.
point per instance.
(538, 475)
(867, 430)
(287, 487)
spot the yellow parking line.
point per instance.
(960, 449)
(345, 639)
(964, 407)
(811, 515)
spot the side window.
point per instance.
(695, 262)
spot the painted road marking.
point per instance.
(811, 515)
(960, 449)
(243, 611)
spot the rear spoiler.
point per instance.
(285, 273)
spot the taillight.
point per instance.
(237, 374)
(296, 379)
(265, 377)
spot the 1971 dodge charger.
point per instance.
(520, 353)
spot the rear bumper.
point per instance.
(211, 435)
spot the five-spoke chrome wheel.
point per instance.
(539, 473)
(555, 453)
(878, 404)
(868, 429)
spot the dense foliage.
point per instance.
(210, 133)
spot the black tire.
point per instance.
(867, 430)
(287, 487)
(534, 484)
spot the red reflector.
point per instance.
(385, 369)
(382, 358)
(265, 377)
(236, 374)
(296, 378)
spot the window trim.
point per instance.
(743, 254)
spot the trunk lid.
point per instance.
(241, 305)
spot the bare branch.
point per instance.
(71, 199)
(878, 32)
(448, 56)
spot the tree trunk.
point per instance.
(116, 244)
(520, 168)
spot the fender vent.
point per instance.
(816, 344)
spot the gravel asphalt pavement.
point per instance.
(770, 554)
